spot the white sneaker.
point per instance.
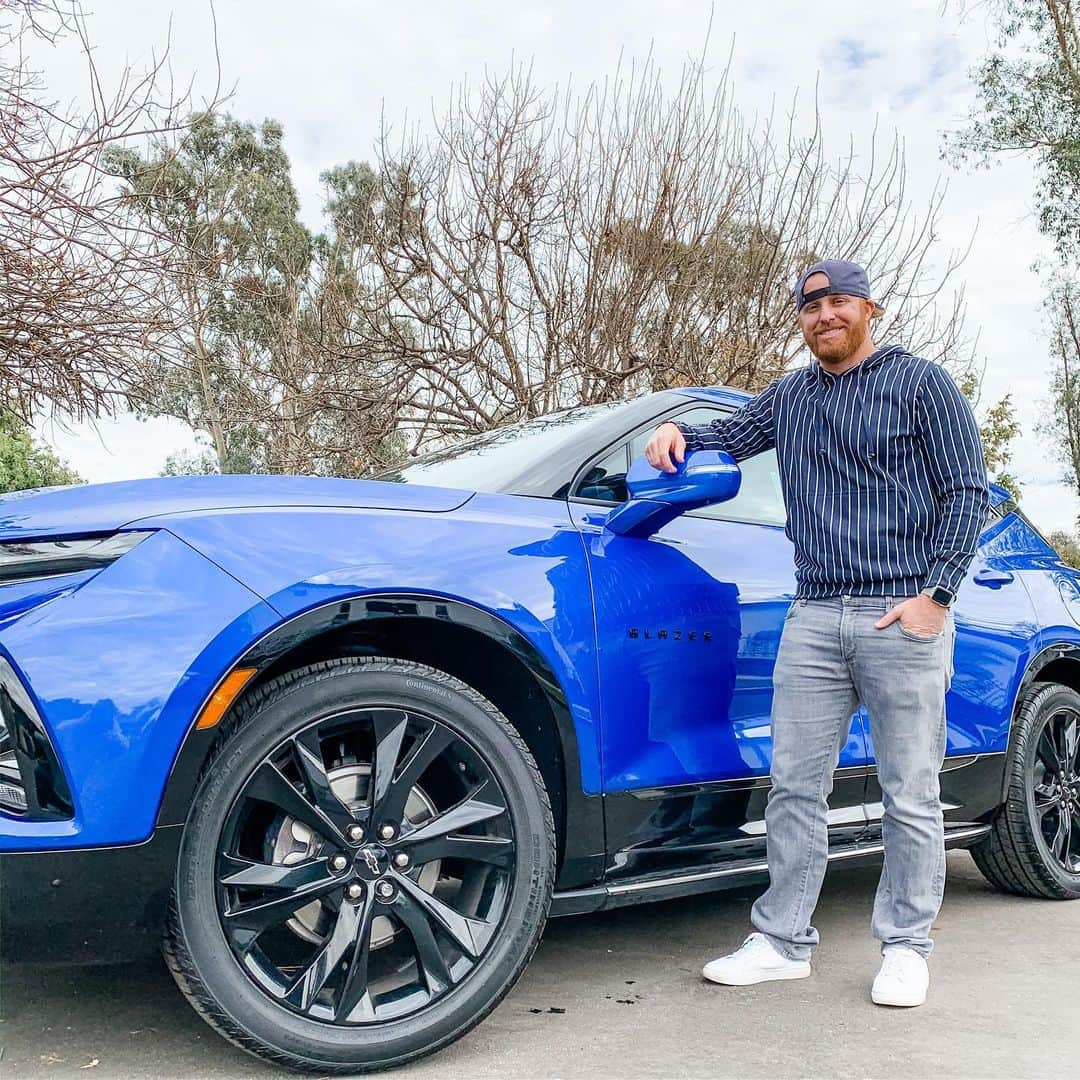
(903, 979)
(754, 961)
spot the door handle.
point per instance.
(993, 579)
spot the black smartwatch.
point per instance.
(940, 595)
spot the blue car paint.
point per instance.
(688, 624)
(117, 670)
(715, 395)
(121, 660)
(102, 508)
(21, 596)
(709, 476)
(520, 559)
(1000, 630)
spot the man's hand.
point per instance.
(666, 447)
(918, 615)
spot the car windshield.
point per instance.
(491, 461)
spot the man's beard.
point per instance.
(840, 348)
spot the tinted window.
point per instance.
(490, 461)
(606, 480)
(760, 497)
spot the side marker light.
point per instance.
(223, 697)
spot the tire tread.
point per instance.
(178, 959)
(1009, 857)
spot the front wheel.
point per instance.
(366, 868)
(1033, 848)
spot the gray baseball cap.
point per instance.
(845, 278)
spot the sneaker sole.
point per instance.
(751, 980)
(897, 1002)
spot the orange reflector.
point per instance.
(223, 697)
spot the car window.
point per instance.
(491, 461)
(606, 480)
(760, 498)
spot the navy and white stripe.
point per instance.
(882, 470)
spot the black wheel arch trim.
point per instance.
(1036, 665)
(1042, 659)
(582, 847)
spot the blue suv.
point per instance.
(344, 745)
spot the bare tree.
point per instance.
(76, 285)
(535, 250)
(541, 249)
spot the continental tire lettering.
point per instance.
(437, 691)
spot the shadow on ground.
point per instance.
(619, 994)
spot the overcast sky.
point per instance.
(329, 70)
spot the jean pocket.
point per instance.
(924, 638)
(796, 606)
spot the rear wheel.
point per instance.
(1034, 846)
(366, 868)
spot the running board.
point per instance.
(642, 890)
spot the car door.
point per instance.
(688, 623)
(996, 623)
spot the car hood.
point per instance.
(100, 508)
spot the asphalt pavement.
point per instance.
(619, 994)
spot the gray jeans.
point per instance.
(832, 659)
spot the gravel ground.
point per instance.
(619, 994)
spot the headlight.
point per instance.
(24, 560)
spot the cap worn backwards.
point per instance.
(844, 279)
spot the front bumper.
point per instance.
(116, 669)
(95, 906)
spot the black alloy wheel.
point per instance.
(353, 891)
(1033, 848)
(1054, 784)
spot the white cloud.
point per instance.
(329, 69)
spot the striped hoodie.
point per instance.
(882, 471)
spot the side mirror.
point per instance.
(656, 497)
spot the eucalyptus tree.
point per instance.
(260, 359)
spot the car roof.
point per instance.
(722, 395)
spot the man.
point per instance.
(886, 493)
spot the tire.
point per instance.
(286, 956)
(1033, 848)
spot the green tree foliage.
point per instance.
(201, 462)
(529, 252)
(263, 363)
(998, 427)
(224, 203)
(25, 463)
(1060, 425)
(1029, 102)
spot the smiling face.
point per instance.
(836, 328)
